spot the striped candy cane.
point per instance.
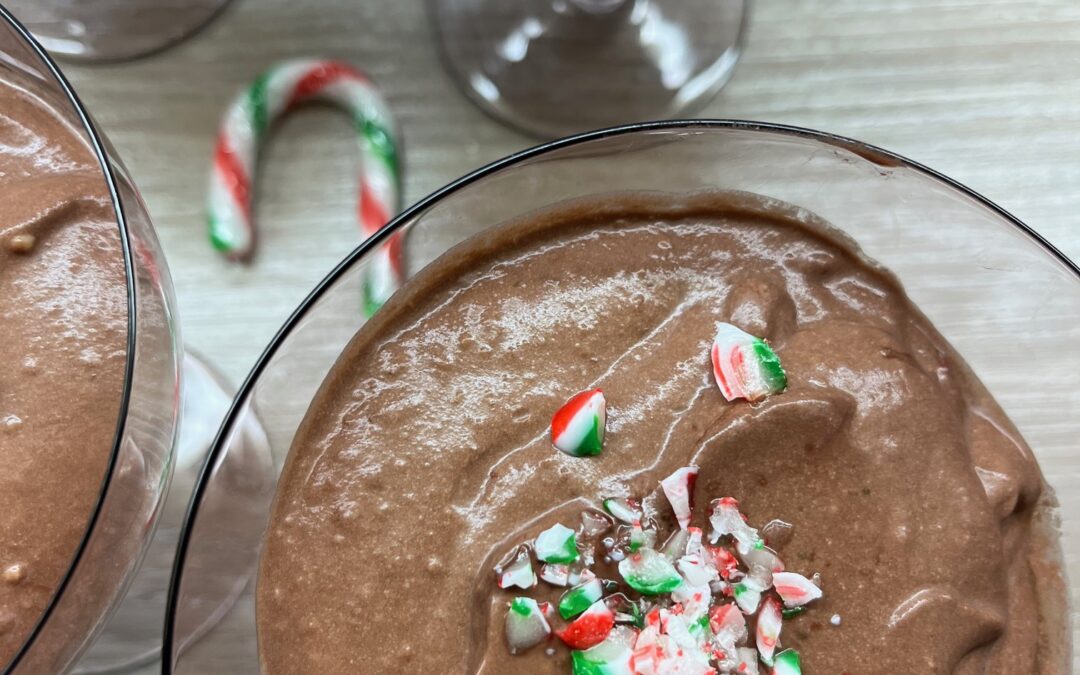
(244, 129)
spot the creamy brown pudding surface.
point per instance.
(63, 337)
(426, 456)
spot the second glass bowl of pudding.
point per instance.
(1005, 299)
(89, 393)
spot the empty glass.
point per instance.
(556, 67)
(112, 30)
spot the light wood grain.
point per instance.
(986, 91)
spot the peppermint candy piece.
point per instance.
(626, 510)
(694, 600)
(795, 589)
(626, 610)
(722, 559)
(727, 520)
(679, 490)
(525, 625)
(787, 663)
(763, 556)
(689, 638)
(745, 366)
(518, 572)
(747, 596)
(650, 573)
(591, 628)
(676, 545)
(747, 661)
(646, 655)
(579, 575)
(557, 544)
(556, 575)
(727, 623)
(769, 623)
(578, 427)
(693, 542)
(611, 657)
(580, 598)
(696, 571)
(637, 537)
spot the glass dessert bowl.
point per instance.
(1005, 299)
(76, 212)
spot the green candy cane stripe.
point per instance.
(244, 128)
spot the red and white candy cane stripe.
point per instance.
(244, 129)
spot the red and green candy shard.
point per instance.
(795, 589)
(580, 598)
(557, 544)
(590, 628)
(745, 366)
(727, 520)
(650, 573)
(613, 656)
(769, 623)
(578, 427)
(244, 129)
(787, 663)
(679, 490)
(625, 510)
(747, 596)
(526, 625)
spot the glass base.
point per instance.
(557, 67)
(112, 30)
(132, 636)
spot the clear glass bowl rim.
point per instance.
(867, 151)
(98, 147)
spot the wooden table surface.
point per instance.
(986, 91)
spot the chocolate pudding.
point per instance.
(886, 471)
(63, 342)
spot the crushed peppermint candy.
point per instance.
(578, 427)
(769, 623)
(787, 663)
(626, 510)
(516, 570)
(556, 575)
(613, 656)
(679, 490)
(580, 598)
(689, 607)
(726, 519)
(650, 573)
(590, 628)
(557, 544)
(526, 625)
(795, 589)
(745, 366)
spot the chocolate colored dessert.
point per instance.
(889, 474)
(63, 342)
